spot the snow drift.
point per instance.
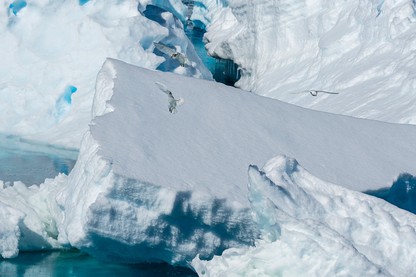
(362, 49)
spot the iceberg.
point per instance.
(361, 49)
(152, 185)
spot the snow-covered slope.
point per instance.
(363, 49)
(51, 53)
(313, 228)
(149, 184)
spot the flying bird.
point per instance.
(173, 103)
(314, 92)
(171, 52)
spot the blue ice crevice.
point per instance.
(64, 102)
(17, 5)
(83, 2)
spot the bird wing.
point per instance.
(163, 88)
(329, 92)
(164, 48)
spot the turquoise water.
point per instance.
(74, 263)
(31, 163)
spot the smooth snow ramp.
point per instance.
(220, 130)
(152, 185)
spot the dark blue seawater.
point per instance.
(401, 194)
(76, 264)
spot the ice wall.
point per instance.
(313, 228)
(362, 49)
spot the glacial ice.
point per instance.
(154, 186)
(359, 48)
(48, 45)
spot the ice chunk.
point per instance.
(176, 185)
(29, 217)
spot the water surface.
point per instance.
(77, 264)
(31, 163)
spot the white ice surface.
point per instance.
(313, 228)
(363, 49)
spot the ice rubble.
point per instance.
(52, 46)
(313, 228)
(151, 185)
(362, 49)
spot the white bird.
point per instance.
(173, 103)
(171, 52)
(314, 92)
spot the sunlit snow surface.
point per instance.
(364, 50)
